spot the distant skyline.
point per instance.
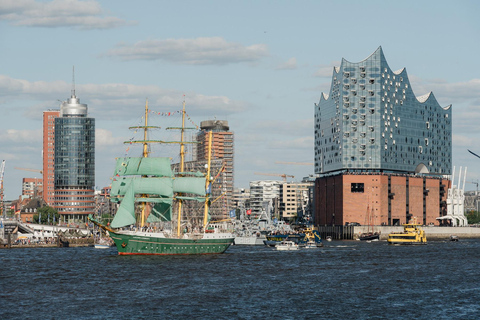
(260, 65)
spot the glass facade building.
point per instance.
(371, 120)
(74, 161)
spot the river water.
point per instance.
(343, 280)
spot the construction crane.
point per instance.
(2, 171)
(33, 170)
(297, 163)
(284, 176)
(475, 183)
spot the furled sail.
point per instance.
(151, 186)
(160, 167)
(189, 185)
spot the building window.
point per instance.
(357, 187)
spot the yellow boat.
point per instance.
(412, 234)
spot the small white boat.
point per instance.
(101, 246)
(287, 245)
(313, 244)
(103, 243)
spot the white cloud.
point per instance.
(115, 100)
(14, 87)
(465, 100)
(104, 138)
(326, 71)
(290, 64)
(32, 137)
(450, 92)
(58, 13)
(199, 51)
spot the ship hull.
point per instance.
(128, 244)
(369, 236)
(297, 238)
(249, 241)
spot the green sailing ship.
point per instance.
(148, 190)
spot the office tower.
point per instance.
(48, 155)
(74, 161)
(380, 148)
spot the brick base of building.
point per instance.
(379, 199)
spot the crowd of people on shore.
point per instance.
(35, 241)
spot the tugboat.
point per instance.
(412, 234)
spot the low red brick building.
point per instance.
(379, 199)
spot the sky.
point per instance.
(260, 65)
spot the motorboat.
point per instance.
(453, 238)
(369, 236)
(412, 234)
(287, 245)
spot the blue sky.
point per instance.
(261, 65)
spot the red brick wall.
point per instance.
(398, 203)
(357, 204)
(49, 155)
(415, 190)
(333, 196)
(381, 209)
(433, 200)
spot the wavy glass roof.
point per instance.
(372, 120)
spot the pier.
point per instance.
(432, 232)
(15, 234)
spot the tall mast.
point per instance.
(2, 171)
(182, 144)
(145, 155)
(145, 144)
(182, 164)
(207, 181)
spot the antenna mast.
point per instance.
(73, 82)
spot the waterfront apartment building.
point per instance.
(222, 168)
(241, 198)
(294, 199)
(32, 187)
(48, 155)
(264, 194)
(379, 147)
(74, 161)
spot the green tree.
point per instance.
(47, 215)
(106, 218)
(473, 217)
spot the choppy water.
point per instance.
(343, 280)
